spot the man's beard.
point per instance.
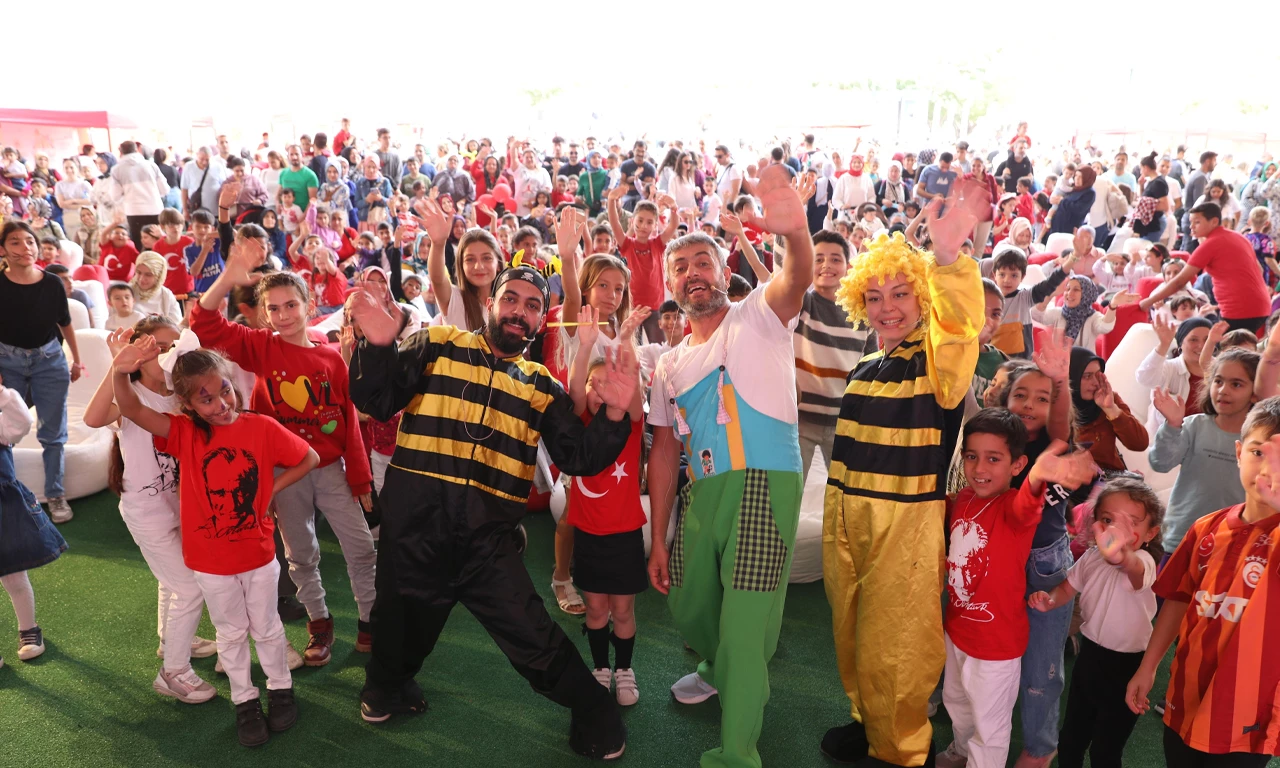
(504, 341)
(714, 299)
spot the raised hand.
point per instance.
(1216, 333)
(967, 203)
(589, 330)
(1104, 396)
(347, 342)
(783, 210)
(1054, 356)
(132, 356)
(1070, 470)
(634, 320)
(621, 375)
(377, 325)
(617, 193)
(433, 219)
(569, 231)
(1125, 298)
(1165, 332)
(1114, 541)
(228, 193)
(805, 188)
(239, 265)
(730, 222)
(118, 340)
(1173, 409)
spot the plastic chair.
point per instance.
(98, 312)
(1058, 242)
(1035, 274)
(1126, 317)
(1041, 258)
(92, 272)
(79, 315)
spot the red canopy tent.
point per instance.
(56, 118)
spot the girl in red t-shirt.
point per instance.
(603, 283)
(228, 483)
(608, 521)
(327, 283)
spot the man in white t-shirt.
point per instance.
(727, 396)
(728, 176)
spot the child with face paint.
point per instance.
(228, 483)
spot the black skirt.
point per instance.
(610, 565)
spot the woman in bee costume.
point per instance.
(883, 540)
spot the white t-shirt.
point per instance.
(150, 477)
(756, 350)
(724, 180)
(456, 315)
(115, 321)
(1116, 616)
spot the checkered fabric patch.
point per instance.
(675, 564)
(761, 550)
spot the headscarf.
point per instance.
(895, 192)
(1016, 226)
(1086, 410)
(157, 264)
(1077, 315)
(857, 172)
(926, 156)
(1087, 177)
(383, 294)
(1189, 325)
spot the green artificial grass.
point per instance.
(88, 700)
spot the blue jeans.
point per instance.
(42, 378)
(1042, 672)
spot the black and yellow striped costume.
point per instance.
(884, 524)
(456, 488)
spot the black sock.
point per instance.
(622, 649)
(598, 639)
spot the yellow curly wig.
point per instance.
(885, 257)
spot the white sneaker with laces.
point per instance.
(603, 676)
(185, 686)
(59, 510)
(951, 758)
(692, 689)
(625, 688)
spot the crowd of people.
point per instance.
(410, 344)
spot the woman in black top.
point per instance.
(34, 320)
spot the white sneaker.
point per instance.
(185, 686)
(30, 643)
(603, 676)
(692, 689)
(200, 648)
(951, 758)
(625, 688)
(59, 510)
(295, 658)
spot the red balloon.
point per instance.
(488, 201)
(502, 190)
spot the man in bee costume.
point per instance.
(727, 394)
(883, 537)
(459, 480)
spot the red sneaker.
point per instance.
(320, 645)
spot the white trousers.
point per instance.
(979, 696)
(179, 605)
(379, 462)
(241, 606)
(326, 488)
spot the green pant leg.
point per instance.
(696, 594)
(750, 620)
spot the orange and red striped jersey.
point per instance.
(1224, 687)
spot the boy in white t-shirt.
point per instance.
(1113, 581)
(121, 298)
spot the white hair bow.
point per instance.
(188, 341)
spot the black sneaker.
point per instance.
(846, 743)
(521, 538)
(381, 708)
(251, 726)
(282, 711)
(290, 609)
